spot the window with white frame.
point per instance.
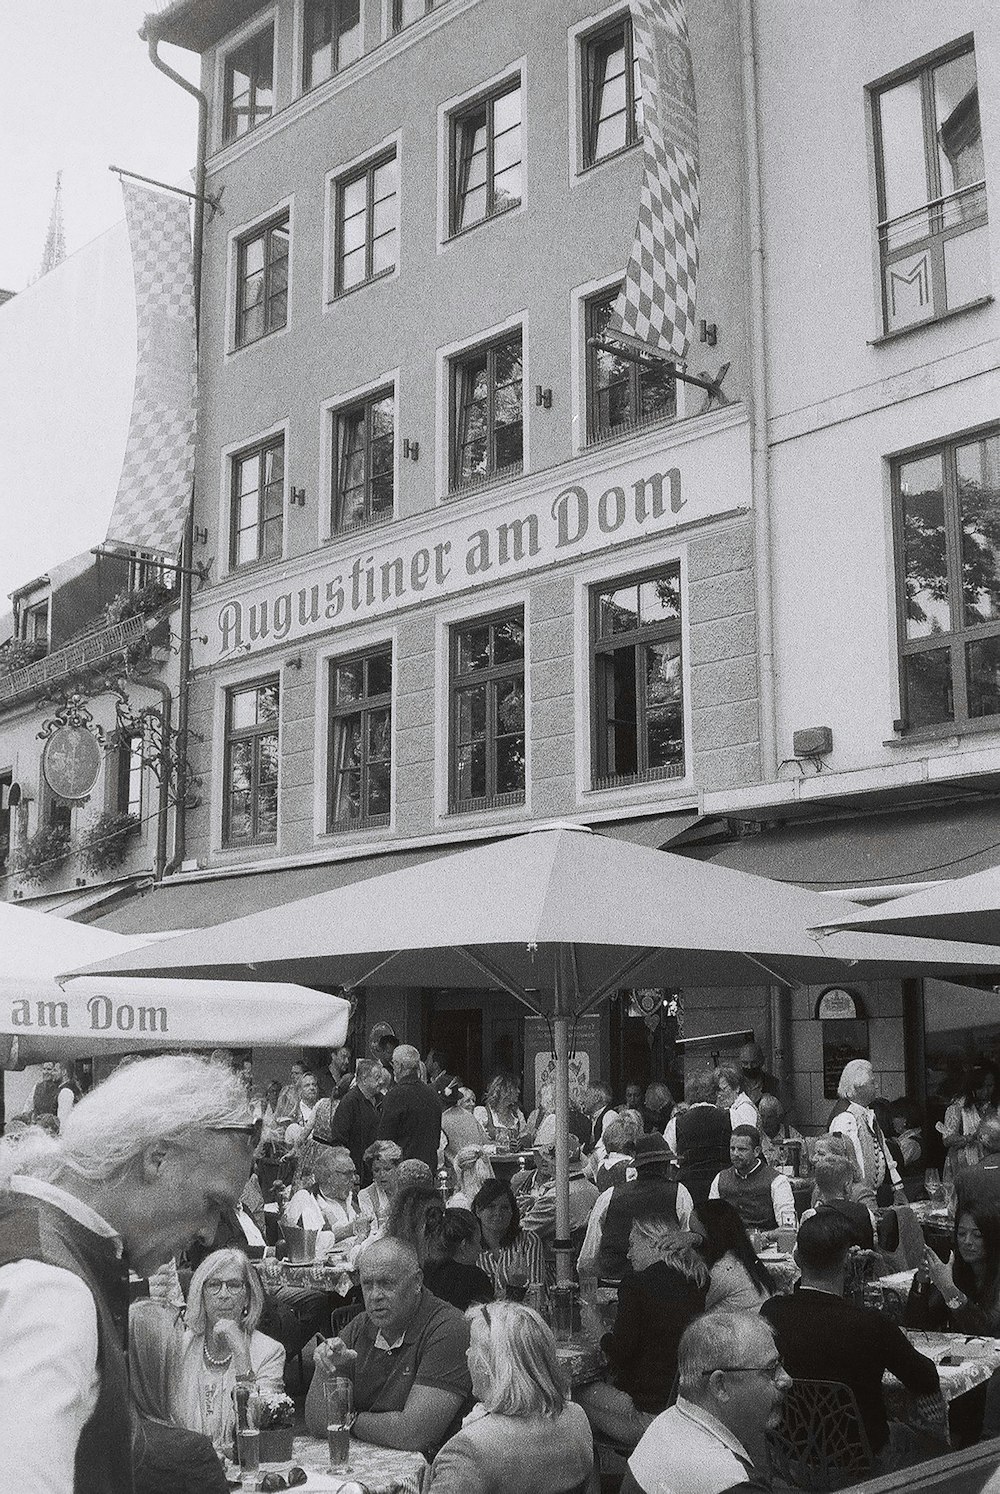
(933, 235)
(486, 156)
(250, 764)
(248, 85)
(622, 393)
(262, 281)
(366, 222)
(257, 503)
(364, 474)
(636, 678)
(612, 91)
(487, 414)
(487, 755)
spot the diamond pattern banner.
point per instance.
(154, 488)
(655, 310)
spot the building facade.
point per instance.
(472, 571)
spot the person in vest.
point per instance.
(654, 1194)
(699, 1136)
(858, 1122)
(145, 1165)
(762, 1197)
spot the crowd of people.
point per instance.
(441, 1214)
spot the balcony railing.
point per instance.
(84, 653)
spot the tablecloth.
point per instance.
(583, 1359)
(334, 1278)
(784, 1272)
(382, 1470)
(974, 1360)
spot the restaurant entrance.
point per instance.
(480, 1033)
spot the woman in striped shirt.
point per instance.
(513, 1257)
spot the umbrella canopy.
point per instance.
(967, 908)
(92, 1016)
(502, 915)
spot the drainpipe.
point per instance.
(760, 465)
(150, 35)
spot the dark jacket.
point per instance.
(171, 1460)
(31, 1229)
(703, 1134)
(654, 1308)
(822, 1337)
(411, 1117)
(653, 1194)
(355, 1125)
(461, 1285)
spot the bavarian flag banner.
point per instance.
(655, 310)
(154, 488)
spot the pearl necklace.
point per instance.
(216, 1363)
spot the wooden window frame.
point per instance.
(363, 708)
(397, 22)
(458, 120)
(251, 49)
(664, 630)
(957, 638)
(491, 677)
(596, 432)
(266, 232)
(254, 734)
(938, 233)
(591, 44)
(337, 32)
(364, 173)
(366, 405)
(257, 452)
(129, 763)
(456, 483)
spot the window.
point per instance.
(361, 741)
(612, 91)
(487, 713)
(622, 394)
(249, 86)
(405, 12)
(257, 504)
(332, 38)
(250, 814)
(367, 220)
(128, 775)
(486, 158)
(933, 238)
(947, 513)
(488, 418)
(262, 281)
(146, 568)
(638, 709)
(364, 446)
(33, 622)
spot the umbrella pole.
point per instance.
(562, 1247)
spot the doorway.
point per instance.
(458, 1033)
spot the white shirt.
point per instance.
(49, 1380)
(587, 1262)
(686, 1451)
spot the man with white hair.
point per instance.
(730, 1384)
(859, 1123)
(411, 1110)
(145, 1165)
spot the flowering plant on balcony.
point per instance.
(139, 601)
(106, 842)
(17, 653)
(43, 854)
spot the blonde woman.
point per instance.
(525, 1434)
(500, 1114)
(666, 1291)
(383, 1157)
(205, 1354)
(472, 1169)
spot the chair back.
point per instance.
(341, 1316)
(820, 1443)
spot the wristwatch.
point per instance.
(954, 1303)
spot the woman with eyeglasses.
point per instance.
(215, 1343)
(525, 1434)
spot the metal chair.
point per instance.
(341, 1316)
(821, 1443)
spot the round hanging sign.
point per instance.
(71, 761)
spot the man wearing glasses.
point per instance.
(730, 1384)
(145, 1165)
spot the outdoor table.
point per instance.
(936, 1222)
(582, 1359)
(382, 1470)
(507, 1164)
(781, 1265)
(338, 1277)
(894, 1290)
(970, 1362)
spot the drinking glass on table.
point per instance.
(339, 1420)
(933, 1186)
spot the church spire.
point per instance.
(55, 240)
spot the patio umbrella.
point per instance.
(966, 908)
(560, 918)
(92, 1016)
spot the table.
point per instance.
(582, 1359)
(784, 1271)
(337, 1277)
(935, 1219)
(970, 1362)
(382, 1470)
(506, 1164)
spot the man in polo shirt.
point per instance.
(762, 1196)
(730, 1383)
(405, 1353)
